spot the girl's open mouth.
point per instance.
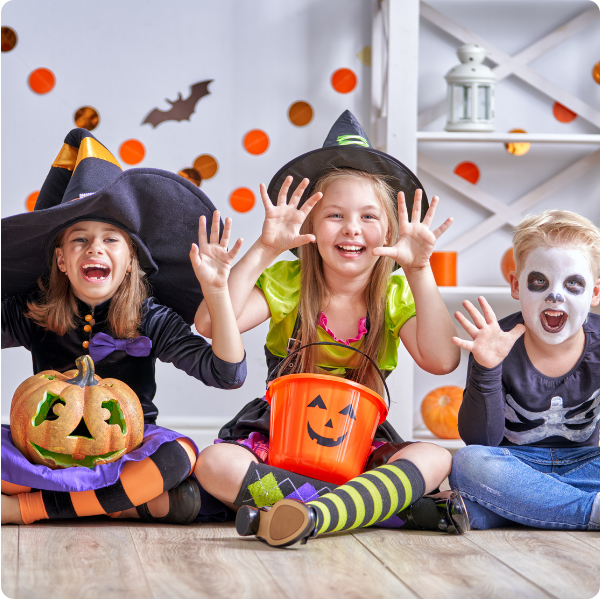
(95, 272)
(553, 320)
(350, 250)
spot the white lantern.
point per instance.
(470, 92)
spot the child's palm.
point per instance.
(490, 345)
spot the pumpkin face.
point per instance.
(439, 410)
(75, 418)
(341, 424)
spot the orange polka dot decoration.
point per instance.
(256, 141)
(242, 200)
(343, 81)
(206, 165)
(42, 81)
(507, 264)
(468, 170)
(191, 175)
(87, 117)
(9, 39)
(300, 113)
(132, 152)
(596, 73)
(562, 113)
(31, 200)
(517, 148)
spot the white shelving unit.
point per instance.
(397, 128)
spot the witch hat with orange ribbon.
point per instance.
(157, 209)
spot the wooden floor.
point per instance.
(94, 558)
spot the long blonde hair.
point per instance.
(314, 292)
(57, 310)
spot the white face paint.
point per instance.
(555, 292)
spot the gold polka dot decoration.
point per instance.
(9, 39)
(42, 81)
(562, 113)
(300, 113)
(242, 200)
(256, 141)
(596, 73)
(343, 81)
(31, 200)
(206, 165)
(87, 117)
(364, 55)
(191, 175)
(468, 170)
(132, 152)
(517, 148)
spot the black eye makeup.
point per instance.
(537, 282)
(575, 284)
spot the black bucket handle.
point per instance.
(280, 365)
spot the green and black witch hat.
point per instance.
(347, 145)
(157, 209)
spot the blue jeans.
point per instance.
(549, 488)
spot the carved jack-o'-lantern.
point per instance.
(322, 426)
(75, 418)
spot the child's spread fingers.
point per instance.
(443, 227)
(304, 239)
(517, 331)
(283, 192)
(265, 197)
(488, 313)
(466, 324)
(195, 256)
(201, 230)
(416, 209)
(431, 211)
(310, 203)
(475, 314)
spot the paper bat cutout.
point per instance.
(181, 109)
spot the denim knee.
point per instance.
(475, 465)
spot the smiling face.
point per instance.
(556, 289)
(349, 223)
(95, 257)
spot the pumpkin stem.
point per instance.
(443, 400)
(85, 372)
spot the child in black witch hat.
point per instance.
(96, 241)
(350, 234)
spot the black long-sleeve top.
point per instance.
(514, 404)
(172, 342)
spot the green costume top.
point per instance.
(280, 284)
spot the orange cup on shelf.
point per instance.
(443, 265)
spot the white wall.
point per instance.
(125, 58)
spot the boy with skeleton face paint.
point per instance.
(531, 410)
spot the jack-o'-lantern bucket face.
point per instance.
(322, 426)
(75, 418)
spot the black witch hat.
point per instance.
(347, 145)
(157, 209)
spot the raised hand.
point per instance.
(210, 259)
(281, 228)
(490, 345)
(416, 243)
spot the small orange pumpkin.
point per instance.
(75, 418)
(439, 410)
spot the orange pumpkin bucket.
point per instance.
(322, 426)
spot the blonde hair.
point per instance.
(57, 309)
(557, 228)
(314, 292)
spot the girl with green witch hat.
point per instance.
(360, 218)
(76, 279)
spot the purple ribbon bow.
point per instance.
(101, 345)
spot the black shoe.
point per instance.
(184, 505)
(284, 524)
(445, 511)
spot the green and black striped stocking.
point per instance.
(369, 498)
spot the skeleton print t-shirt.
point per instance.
(514, 404)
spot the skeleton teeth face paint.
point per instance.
(555, 292)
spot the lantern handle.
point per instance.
(280, 366)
